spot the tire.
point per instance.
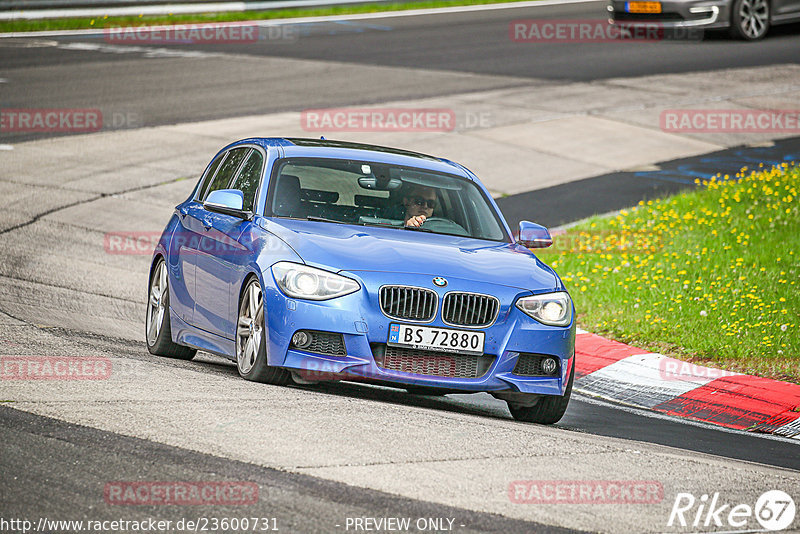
(550, 408)
(251, 339)
(749, 19)
(157, 330)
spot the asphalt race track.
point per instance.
(564, 203)
(324, 453)
(359, 62)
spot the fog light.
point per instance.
(549, 366)
(301, 339)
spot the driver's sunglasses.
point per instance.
(429, 202)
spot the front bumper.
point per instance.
(365, 330)
(700, 14)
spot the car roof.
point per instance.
(325, 148)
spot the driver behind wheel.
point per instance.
(418, 202)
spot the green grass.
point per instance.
(102, 22)
(711, 276)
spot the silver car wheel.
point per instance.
(249, 330)
(753, 17)
(156, 306)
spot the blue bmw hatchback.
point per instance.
(305, 260)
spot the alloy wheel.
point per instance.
(249, 331)
(753, 17)
(156, 306)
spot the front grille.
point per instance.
(469, 309)
(325, 343)
(431, 363)
(409, 303)
(531, 365)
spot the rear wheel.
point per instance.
(157, 328)
(749, 19)
(548, 410)
(251, 344)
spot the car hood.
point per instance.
(343, 247)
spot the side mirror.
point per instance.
(228, 202)
(532, 235)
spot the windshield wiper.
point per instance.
(323, 219)
(381, 224)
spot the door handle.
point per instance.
(207, 224)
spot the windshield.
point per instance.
(368, 193)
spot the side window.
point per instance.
(248, 178)
(207, 177)
(226, 170)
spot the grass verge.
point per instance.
(711, 276)
(190, 18)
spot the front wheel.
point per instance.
(548, 410)
(749, 19)
(158, 332)
(251, 340)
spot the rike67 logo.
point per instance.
(774, 510)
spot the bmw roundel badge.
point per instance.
(440, 281)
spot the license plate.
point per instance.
(439, 339)
(643, 7)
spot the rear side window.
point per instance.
(226, 170)
(248, 178)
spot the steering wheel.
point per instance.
(440, 224)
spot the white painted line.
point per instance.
(3, 80)
(147, 51)
(581, 331)
(166, 9)
(644, 380)
(307, 20)
(6, 147)
(789, 430)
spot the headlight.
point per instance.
(554, 309)
(304, 282)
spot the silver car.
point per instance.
(745, 19)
